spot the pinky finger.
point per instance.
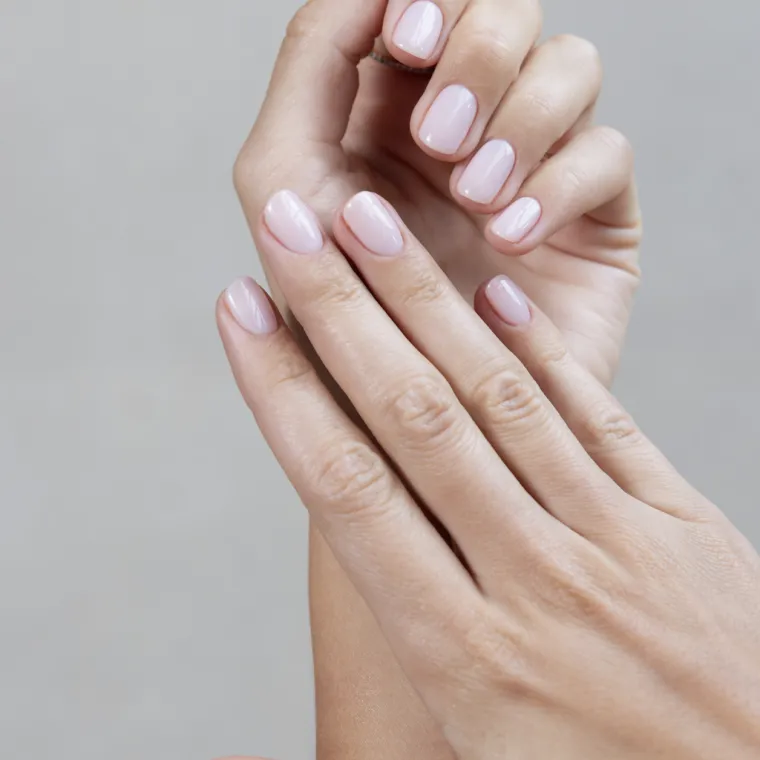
(402, 567)
(596, 418)
(592, 170)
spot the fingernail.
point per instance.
(251, 308)
(486, 174)
(293, 223)
(449, 120)
(508, 301)
(375, 228)
(517, 220)
(419, 29)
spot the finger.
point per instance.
(315, 80)
(596, 418)
(402, 397)
(559, 84)
(408, 576)
(494, 386)
(416, 31)
(481, 59)
(594, 170)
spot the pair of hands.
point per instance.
(597, 606)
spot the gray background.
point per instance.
(152, 558)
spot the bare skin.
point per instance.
(333, 126)
(599, 606)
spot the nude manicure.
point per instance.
(508, 301)
(251, 308)
(293, 223)
(419, 29)
(449, 120)
(518, 220)
(487, 173)
(373, 226)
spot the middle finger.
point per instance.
(402, 397)
(481, 60)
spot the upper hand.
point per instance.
(601, 607)
(329, 129)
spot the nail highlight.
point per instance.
(518, 220)
(251, 308)
(449, 120)
(419, 29)
(487, 173)
(375, 228)
(508, 301)
(293, 223)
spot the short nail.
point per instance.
(419, 29)
(486, 174)
(508, 301)
(375, 228)
(518, 220)
(251, 308)
(293, 223)
(449, 120)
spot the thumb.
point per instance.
(315, 80)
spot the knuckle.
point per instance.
(287, 368)
(304, 22)
(335, 292)
(424, 290)
(351, 479)
(506, 398)
(573, 180)
(539, 106)
(580, 50)
(553, 354)
(424, 410)
(575, 591)
(244, 171)
(609, 426)
(494, 50)
(616, 141)
(492, 656)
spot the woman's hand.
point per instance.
(602, 608)
(462, 156)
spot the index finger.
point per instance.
(409, 577)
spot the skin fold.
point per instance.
(335, 124)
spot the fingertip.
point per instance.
(413, 35)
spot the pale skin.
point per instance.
(556, 572)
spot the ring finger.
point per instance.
(481, 59)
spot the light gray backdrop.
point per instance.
(152, 558)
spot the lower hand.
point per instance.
(598, 606)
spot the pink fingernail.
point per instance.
(518, 220)
(419, 29)
(251, 308)
(508, 301)
(293, 223)
(449, 120)
(375, 228)
(486, 174)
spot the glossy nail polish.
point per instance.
(508, 301)
(419, 29)
(251, 308)
(518, 220)
(489, 169)
(368, 218)
(449, 120)
(293, 223)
